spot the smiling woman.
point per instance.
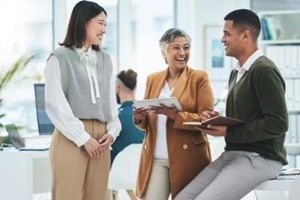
(171, 150)
(80, 101)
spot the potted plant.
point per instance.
(8, 75)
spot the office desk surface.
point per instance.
(24, 174)
(292, 148)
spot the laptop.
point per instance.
(45, 126)
(18, 142)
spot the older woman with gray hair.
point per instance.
(173, 154)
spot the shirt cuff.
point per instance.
(82, 139)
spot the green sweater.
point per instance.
(259, 99)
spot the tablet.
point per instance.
(155, 102)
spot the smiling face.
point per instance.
(233, 40)
(177, 53)
(95, 30)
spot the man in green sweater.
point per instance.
(254, 151)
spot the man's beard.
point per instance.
(118, 99)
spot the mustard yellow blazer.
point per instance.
(188, 149)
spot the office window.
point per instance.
(26, 26)
(148, 21)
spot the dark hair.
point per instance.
(82, 12)
(244, 19)
(169, 36)
(128, 78)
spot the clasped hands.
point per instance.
(212, 130)
(96, 148)
(141, 113)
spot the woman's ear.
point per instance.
(164, 56)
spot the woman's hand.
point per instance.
(209, 114)
(93, 148)
(170, 112)
(105, 141)
(140, 113)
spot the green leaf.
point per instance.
(18, 66)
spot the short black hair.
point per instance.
(244, 19)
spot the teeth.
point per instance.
(181, 59)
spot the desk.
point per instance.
(293, 149)
(24, 174)
(273, 189)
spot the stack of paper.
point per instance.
(290, 173)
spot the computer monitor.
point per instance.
(45, 126)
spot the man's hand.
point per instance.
(213, 130)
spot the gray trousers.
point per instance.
(230, 177)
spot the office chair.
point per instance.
(123, 172)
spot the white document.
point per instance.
(289, 93)
(297, 127)
(288, 60)
(297, 94)
(292, 132)
(298, 63)
(272, 53)
(281, 60)
(293, 60)
(147, 103)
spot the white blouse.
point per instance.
(58, 108)
(161, 147)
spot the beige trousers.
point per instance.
(76, 176)
(159, 184)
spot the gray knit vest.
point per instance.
(76, 86)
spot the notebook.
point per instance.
(18, 142)
(218, 120)
(45, 126)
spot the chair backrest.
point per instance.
(123, 172)
(294, 192)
